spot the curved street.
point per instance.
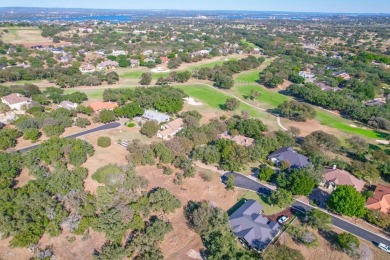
(244, 182)
(89, 131)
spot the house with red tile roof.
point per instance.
(380, 200)
(98, 106)
(334, 177)
(164, 59)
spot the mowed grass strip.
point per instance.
(335, 121)
(217, 99)
(272, 99)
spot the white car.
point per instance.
(384, 247)
(283, 219)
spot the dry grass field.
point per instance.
(17, 35)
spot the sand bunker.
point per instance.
(192, 101)
(159, 70)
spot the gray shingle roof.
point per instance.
(288, 154)
(248, 223)
(156, 116)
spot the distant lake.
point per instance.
(112, 18)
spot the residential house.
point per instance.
(57, 51)
(85, 30)
(16, 101)
(306, 74)
(148, 52)
(376, 102)
(87, 68)
(381, 199)
(334, 177)
(149, 60)
(134, 63)
(170, 129)
(118, 52)
(255, 52)
(238, 139)
(99, 106)
(325, 87)
(164, 59)
(256, 230)
(156, 116)
(108, 64)
(288, 154)
(68, 105)
(342, 75)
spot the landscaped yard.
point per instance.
(268, 209)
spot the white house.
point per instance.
(118, 52)
(15, 101)
(156, 116)
(68, 105)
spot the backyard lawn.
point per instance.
(268, 209)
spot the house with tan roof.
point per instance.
(16, 101)
(238, 139)
(170, 129)
(334, 177)
(88, 68)
(99, 106)
(381, 199)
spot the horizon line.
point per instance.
(173, 9)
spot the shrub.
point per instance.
(82, 122)
(206, 176)
(167, 171)
(348, 243)
(31, 134)
(131, 124)
(266, 173)
(104, 141)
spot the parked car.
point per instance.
(384, 247)
(283, 219)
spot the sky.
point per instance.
(341, 6)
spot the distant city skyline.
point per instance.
(331, 6)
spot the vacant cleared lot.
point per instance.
(23, 36)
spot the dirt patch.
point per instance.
(311, 126)
(69, 246)
(23, 178)
(182, 241)
(103, 156)
(325, 249)
(7, 253)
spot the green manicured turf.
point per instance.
(328, 119)
(249, 77)
(273, 99)
(251, 45)
(91, 93)
(216, 99)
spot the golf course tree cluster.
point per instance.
(296, 110)
(165, 99)
(222, 75)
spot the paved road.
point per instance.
(96, 129)
(249, 184)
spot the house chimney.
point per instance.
(334, 167)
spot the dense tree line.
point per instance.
(164, 99)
